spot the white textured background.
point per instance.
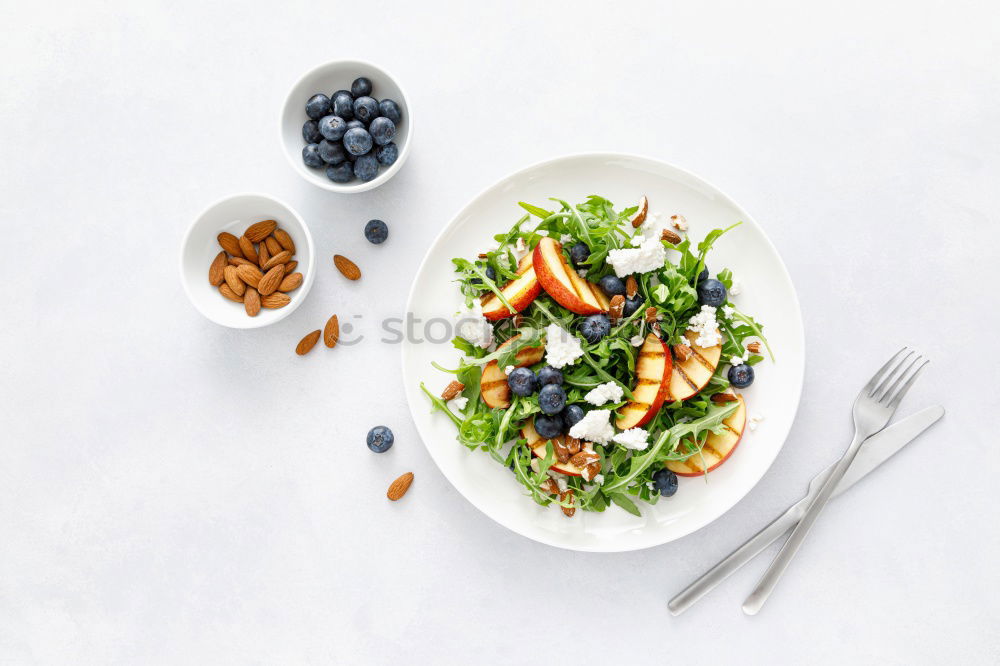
(172, 491)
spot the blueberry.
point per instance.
(387, 154)
(579, 253)
(357, 141)
(382, 130)
(632, 304)
(310, 132)
(343, 104)
(612, 285)
(702, 276)
(571, 416)
(318, 106)
(491, 273)
(522, 381)
(550, 375)
(552, 399)
(310, 155)
(376, 231)
(711, 292)
(332, 152)
(365, 109)
(366, 167)
(341, 173)
(351, 124)
(333, 127)
(741, 376)
(595, 327)
(549, 427)
(665, 481)
(390, 110)
(380, 439)
(361, 86)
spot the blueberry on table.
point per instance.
(343, 104)
(358, 141)
(632, 304)
(387, 154)
(376, 231)
(612, 285)
(366, 167)
(740, 376)
(665, 482)
(390, 110)
(595, 327)
(382, 130)
(711, 292)
(552, 399)
(332, 152)
(380, 439)
(361, 87)
(365, 109)
(548, 427)
(310, 132)
(572, 415)
(310, 155)
(340, 173)
(522, 381)
(332, 127)
(579, 253)
(318, 106)
(550, 375)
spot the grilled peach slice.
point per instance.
(690, 376)
(493, 382)
(717, 448)
(537, 446)
(519, 293)
(563, 283)
(652, 370)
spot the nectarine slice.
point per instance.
(563, 283)
(493, 382)
(717, 447)
(690, 376)
(652, 370)
(519, 293)
(537, 446)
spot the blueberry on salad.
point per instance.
(632, 304)
(318, 106)
(579, 253)
(376, 231)
(665, 482)
(711, 292)
(390, 110)
(549, 427)
(595, 327)
(361, 86)
(311, 156)
(740, 376)
(572, 415)
(612, 285)
(380, 439)
(552, 399)
(550, 375)
(522, 381)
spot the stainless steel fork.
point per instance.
(872, 410)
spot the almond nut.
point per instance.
(273, 246)
(452, 389)
(590, 471)
(290, 267)
(238, 261)
(230, 244)
(229, 293)
(284, 240)
(650, 315)
(640, 215)
(347, 267)
(573, 445)
(258, 231)
(249, 274)
(584, 458)
(281, 258)
(290, 282)
(275, 300)
(631, 287)
(567, 496)
(670, 237)
(263, 254)
(251, 302)
(617, 308)
(307, 343)
(215, 271)
(249, 252)
(331, 332)
(682, 352)
(721, 398)
(561, 450)
(269, 283)
(549, 487)
(753, 347)
(399, 487)
(236, 285)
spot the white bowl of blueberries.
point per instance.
(346, 126)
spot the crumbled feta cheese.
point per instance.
(599, 479)
(595, 426)
(636, 340)
(653, 227)
(561, 347)
(509, 369)
(566, 238)
(706, 326)
(737, 360)
(680, 222)
(458, 403)
(753, 426)
(607, 392)
(728, 311)
(473, 326)
(649, 256)
(582, 272)
(755, 420)
(736, 289)
(633, 438)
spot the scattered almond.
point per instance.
(682, 352)
(399, 487)
(290, 267)
(753, 347)
(230, 244)
(567, 496)
(251, 302)
(670, 237)
(275, 300)
(573, 445)
(631, 287)
(307, 343)
(656, 329)
(216, 271)
(561, 450)
(590, 471)
(236, 285)
(331, 332)
(284, 240)
(721, 398)
(483, 255)
(640, 215)
(273, 246)
(584, 458)
(249, 274)
(229, 293)
(258, 231)
(617, 308)
(263, 255)
(249, 251)
(290, 282)
(347, 267)
(650, 315)
(549, 487)
(281, 258)
(452, 390)
(269, 283)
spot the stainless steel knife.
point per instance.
(876, 451)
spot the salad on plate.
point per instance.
(601, 359)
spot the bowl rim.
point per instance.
(326, 183)
(280, 314)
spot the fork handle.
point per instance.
(770, 579)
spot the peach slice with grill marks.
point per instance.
(493, 382)
(537, 445)
(717, 447)
(653, 372)
(692, 374)
(563, 283)
(519, 292)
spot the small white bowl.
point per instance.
(328, 79)
(234, 214)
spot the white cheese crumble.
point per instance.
(561, 348)
(653, 226)
(604, 393)
(649, 256)
(582, 272)
(565, 239)
(680, 222)
(736, 289)
(633, 438)
(520, 249)
(637, 340)
(755, 420)
(473, 326)
(509, 369)
(728, 311)
(595, 426)
(737, 360)
(458, 403)
(706, 327)
(599, 479)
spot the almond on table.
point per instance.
(399, 487)
(331, 332)
(307, 343)
(347, 267)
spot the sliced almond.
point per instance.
(258, 231)
(682, 352)
(399, 487)
(216, 271)
(275, 300)
(230, 244)
(573, 445)
(753, 347)
(251, 301)
(452, 390)
(229, 293)
(347, 267)
(561, 450)
(631, 287)
(650, 315)
(483, 255)
(640, 215)
(249, 251)
(249, 274)
(284, 240)
(236, 285)
(281, 258)
(567, 496)
(263, 255)
(590, 471)
(584, 458)
(549, 487)
(617, 308)
(670, 237)
(269, 283)
(273, 246)
(331, 332)
(307, 343)
(722, 398)
(291, 282)
(290, 267)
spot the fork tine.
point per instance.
(898, 397)
(870, 386)
(897, 372)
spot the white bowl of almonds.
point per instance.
(247, 261)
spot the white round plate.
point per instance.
(767, 294)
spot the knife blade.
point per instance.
(875, 451)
